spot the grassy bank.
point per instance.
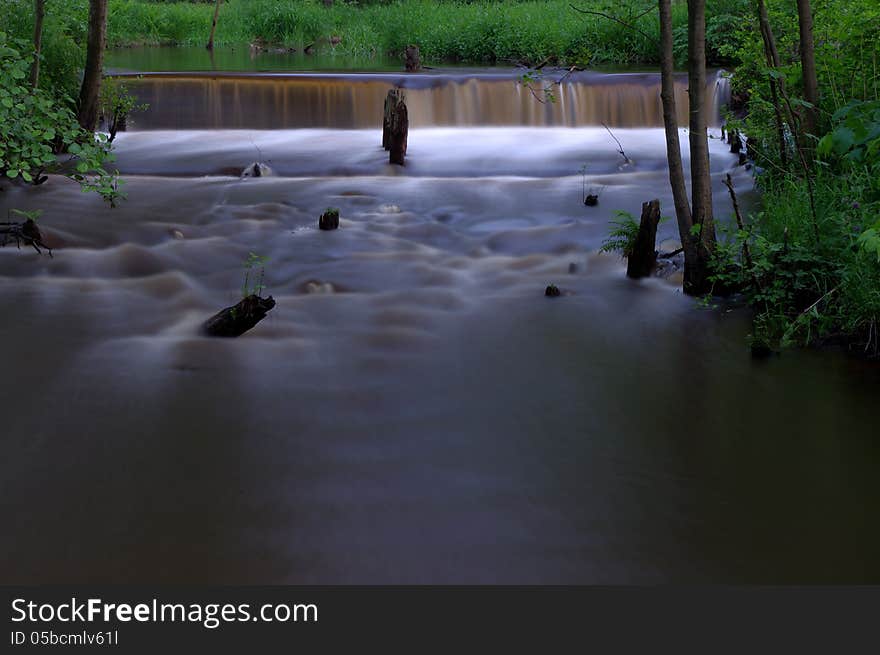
(448, 31)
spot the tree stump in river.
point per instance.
(238, 319)
(735, 142)
(399, 132)
(394, 96)
(329, 220)
(413, 59)
(643, 258)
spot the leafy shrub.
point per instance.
(34, 127)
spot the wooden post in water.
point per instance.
(643, 257)
(413, 59)
(391, 101)
(399, 131)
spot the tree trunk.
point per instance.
(91, 84)
(643, 258)
(670, 122)
(210, 45)
(39, 14)
(696, 279)
(695, 265)
(772, 56)
(808, 69)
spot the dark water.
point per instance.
(414, 409)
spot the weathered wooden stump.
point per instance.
(399, 132)
(329, 220)
(413, 59)
(643, 258)
(238, 319)
(394, 96)
(591, 200)
(735, 142)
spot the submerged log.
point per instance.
(399, 132)
(235, 321)
(26, 232)
(643, 258)
(413, 59)
(391, 100)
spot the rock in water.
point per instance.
(329, 220)
(552, 291)
(257, 169)
(591, 200)
(235, 321)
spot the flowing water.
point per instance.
(414, 409)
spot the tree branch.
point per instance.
(618, 20)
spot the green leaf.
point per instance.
(843, 139)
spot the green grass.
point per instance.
(481, 32)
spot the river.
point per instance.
(414, 410)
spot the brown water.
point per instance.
(435, 419)
(438, 98)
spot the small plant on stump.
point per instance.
(250, 310)
(251, 264)
(116, 105)
(591, 198)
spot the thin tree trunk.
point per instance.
(696, 280)
(210, 45)
(772, 56)
(670, 122)
(808, 69)
(39, 14)
(91, 85)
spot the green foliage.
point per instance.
(34, 127)
(63, 46)
(116, 104)
(806, 290)
(251, 264)
(869, 241)
(855, 136)
(481, 31)
(622, 236)
(31, 215)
